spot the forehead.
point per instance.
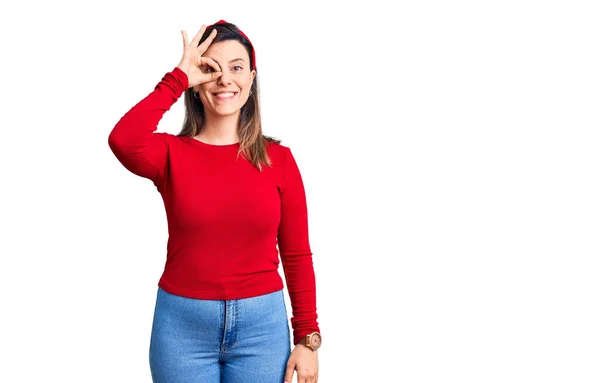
(226, 50)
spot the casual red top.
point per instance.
(227, 221)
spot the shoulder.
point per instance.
(166, 137)
(276, 146)
(171, 139)
(278, 153)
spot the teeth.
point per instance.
(225, 94)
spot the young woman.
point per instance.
(235, 202)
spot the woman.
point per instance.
(234, 200)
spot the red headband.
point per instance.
(246, 37)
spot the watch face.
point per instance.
(315, 341)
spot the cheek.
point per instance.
(246, 83)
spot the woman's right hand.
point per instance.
(192, 59)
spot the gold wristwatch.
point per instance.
(312, 341)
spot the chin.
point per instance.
(227, 112)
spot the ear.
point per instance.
(253, 74)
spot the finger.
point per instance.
(206, 43)
(198, 36)
(289, 374)
(210, 62)
(185, 40)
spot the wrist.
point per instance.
(311, 341)
(184, 69)
(304, 348)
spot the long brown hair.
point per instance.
(253, 144)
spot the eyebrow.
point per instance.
(238, 59)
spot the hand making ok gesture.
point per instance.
(192, 59)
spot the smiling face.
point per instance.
(228, 93)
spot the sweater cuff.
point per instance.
(182, 79)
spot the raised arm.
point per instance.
(296, 255)
(133, 139)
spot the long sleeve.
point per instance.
(294, 248)
(133, 139)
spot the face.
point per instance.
(234, 61)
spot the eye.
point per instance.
(237, 66)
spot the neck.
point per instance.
(220, 130)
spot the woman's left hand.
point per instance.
(306, 363)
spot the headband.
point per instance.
(246, 37)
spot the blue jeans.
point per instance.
(219, 341)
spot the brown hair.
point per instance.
(253, 144)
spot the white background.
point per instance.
(449, 152)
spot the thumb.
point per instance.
(289, 374)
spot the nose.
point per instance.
(224, 78)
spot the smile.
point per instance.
(224, 95)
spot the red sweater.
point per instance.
(227, 221)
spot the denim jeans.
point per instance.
(219, 341)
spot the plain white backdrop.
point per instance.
(449, 152)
